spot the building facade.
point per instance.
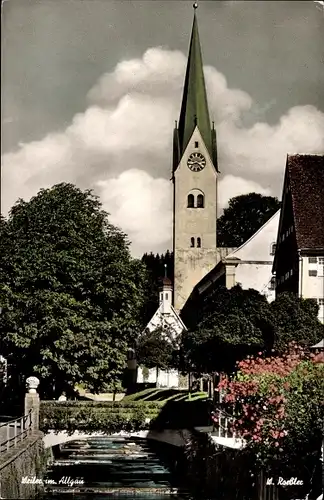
(250, 265)
(299, 260)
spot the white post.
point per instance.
(8, 436)
(32, 401)
(15, 433)
(21, 428)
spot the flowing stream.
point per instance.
(104, 467)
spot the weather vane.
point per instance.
(195, 5)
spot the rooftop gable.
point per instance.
(257, 248)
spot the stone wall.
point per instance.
(27, 460)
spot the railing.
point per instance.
(222, 423)
(15, 431)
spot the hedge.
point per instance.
(109, 417)
(97, 416)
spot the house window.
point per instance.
(312, 272)
(321, 266)
(200, 201)
(273, 249)
(198, 242)
(196, 144)
(191, 201)
(312, 260)
(192, 242)
(272, 284)
(321, 302)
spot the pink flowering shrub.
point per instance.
(277, 403)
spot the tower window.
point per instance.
(192, 242)
(200, 201)
(166, 296)
(198, 242)
(272, 285)
(196, 144)
(273, 249)
(191, 201)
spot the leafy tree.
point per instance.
(296, 319)
(157, 349)
(278, 406)
(243, 217)
(70, 291)
(231, 324)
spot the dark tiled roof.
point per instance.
(306, 180)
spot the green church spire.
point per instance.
(194, 108)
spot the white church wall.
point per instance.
(257, 276)
(259, 246)
(255, 259)
(167, 379)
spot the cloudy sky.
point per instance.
(91, 89)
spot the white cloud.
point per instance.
(141, 205)
(121, 146)
(230, 186)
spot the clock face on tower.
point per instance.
(196, 162)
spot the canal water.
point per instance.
(104, 467)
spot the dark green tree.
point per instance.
(232, 324)
(70, 291)
(243, 217)
(157, 349)
(296, 319)
(155, 265)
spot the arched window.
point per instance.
(198, 242)
(191, 201)
(192, 242)
(200, 201)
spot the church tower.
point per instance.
(194, 179)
